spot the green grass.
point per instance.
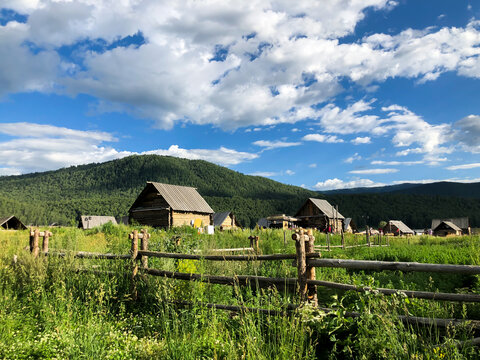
(50, 310)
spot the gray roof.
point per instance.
(400, 225)
(449, 224)
(4, 220)
(348, 222)
(325, 207)
(91, 221)
(462, 223)
(183, 198)
(219, 218)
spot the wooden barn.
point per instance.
(461, 223)
(165, 205)
(447, 228)
(225, 220)
(11, 223)
(92, 221)
(281, 222)
(397, 228)
(318, 213)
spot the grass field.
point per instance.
(50, 310)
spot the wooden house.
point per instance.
(349, 226)
(447, 228)
(461, 223)
(281, 222)
(11, 223)
(397, 228)
(318, 213)
(164, 205)
(92, 221)
(225, 220)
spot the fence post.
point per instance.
(328, 241)
(31, 240)
(301, 264)
(367, 233)
(144, 247)
(46, 236)
(343, 239)
(34, 249)
(310, 270)
(134, 254)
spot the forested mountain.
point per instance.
(110, 188)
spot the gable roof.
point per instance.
(462, 223)
(449, 224)
(219, 218)
(182, 198)
(5, 220)
(91, 221)
(399, 225)
(325, 207)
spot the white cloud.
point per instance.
(361, 140)
(36, 147)
(373, 171)
(335, 184)
(322, 138)
(396, 163)
(463, 167)
(289, 172)
(313, 165)
(264, 173)
(269, 145)
(352, 158)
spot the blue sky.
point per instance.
(324, 95)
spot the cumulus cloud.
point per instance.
(289, 172)
(396, 163)
(373, 171)
(322, 138)
(264, 173)
(352, 158)
(361, 140)
(36, 147)
(269, 145)
(335, 184)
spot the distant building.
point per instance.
(349, 226)
(281, 222)
(11, 223)
(318, 213)
(397, 228)
(461, 223)
(225, 220)
(262, 223)
(92, 221)
(447, 228)
(165, 205)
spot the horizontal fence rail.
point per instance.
(394, 265)
(224, 257)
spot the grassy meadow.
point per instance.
(51, 309)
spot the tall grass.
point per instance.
(48, 309)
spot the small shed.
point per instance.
(318, 213)
(447, 228)
(461, 223)
(225, 220)
(92, 221)
(281, 222)
(349, 226)
(165, 205)
(397, 228)
(262, 223)
(11, 223)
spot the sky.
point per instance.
(319, 94)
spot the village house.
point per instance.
(397, 228)
(461, 223)
(11, 223)
(349, 226)
(281, 221)
(225, 220)
(447, 228)
(165, 205)
(92, 221)
(318, 213)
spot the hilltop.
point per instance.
(110, 188)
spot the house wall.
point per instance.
(185, 218)
(228, 223)
(155, 218)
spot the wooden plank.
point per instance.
(251, 257)
(408, 293)
(90, 255)
(393, 265)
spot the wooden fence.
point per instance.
(305, 259)
(376, 240)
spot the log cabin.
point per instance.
(318, 213)
(447, 228)
(165, 205)
(397, 228)
(225, 220)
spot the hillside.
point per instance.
(110, 188)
